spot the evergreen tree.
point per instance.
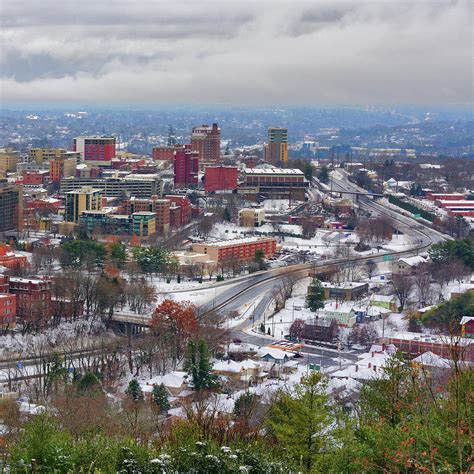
(134, 391)
(160, 398)
(259, 258)
(198, 366)
(118, 254)
(324, 175)
(88, 382)
(303, 423)
(315, 295)
(227, 216)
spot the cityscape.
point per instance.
(217, 268)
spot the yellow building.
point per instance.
(44, 155)
(80, 200)
(8, 160)
(276, 151)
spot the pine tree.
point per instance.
(315, 295)
(160, 398)
(199, 367)
(302, 423)
(134, 391)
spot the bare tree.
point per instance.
(402, 285)
(422, 282)
(370, 267)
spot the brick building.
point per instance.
(165, 153)
(181, 216)
(60, 168)
(206, 140)
(414, 344)
(220, 178)
(161, 208)
(11, 259)
(236, 249)
(33, 300)
(35, 177)
(7, 311)
(186, 167)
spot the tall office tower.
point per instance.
(80, 200)
(44, 155)
(186, 167)
(11, 206)
(96, 150)
(206, 140)
(276, 151)
(8, 160)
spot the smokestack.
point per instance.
(370, 365)
(357, 368)
(375, 368)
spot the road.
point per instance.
(262, 284)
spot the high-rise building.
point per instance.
(79, 200)
(11, 206)
(276, 151)
(186, 167)
(44, 155)
(206, 140)
(8, 160)
(98, 150)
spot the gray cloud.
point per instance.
(259, 52)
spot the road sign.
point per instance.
(387, 258)
(417, 216)
(315, 367)
(20, 365)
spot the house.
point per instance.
(175, 383)
(384, 301)
(244, 373)
(467, 326)
(343, 313)
(370, 365)
(270, 354)
(347, 291)
(406, 265)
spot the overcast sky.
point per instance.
(233, 52)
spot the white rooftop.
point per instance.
(273, 171)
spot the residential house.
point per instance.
(406, 265)
(384, 301)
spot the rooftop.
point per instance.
(293, 171)
(232, 242)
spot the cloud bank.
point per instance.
(238, 53)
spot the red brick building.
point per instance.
(236, 249)
(7, 311)
(35, 178)
(186, 167)
(165, 153)
(34, 304)
(185, 211)
(220, 178)
(415, 344)
(11, 259)
(206, 140)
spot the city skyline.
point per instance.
(237, 54)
